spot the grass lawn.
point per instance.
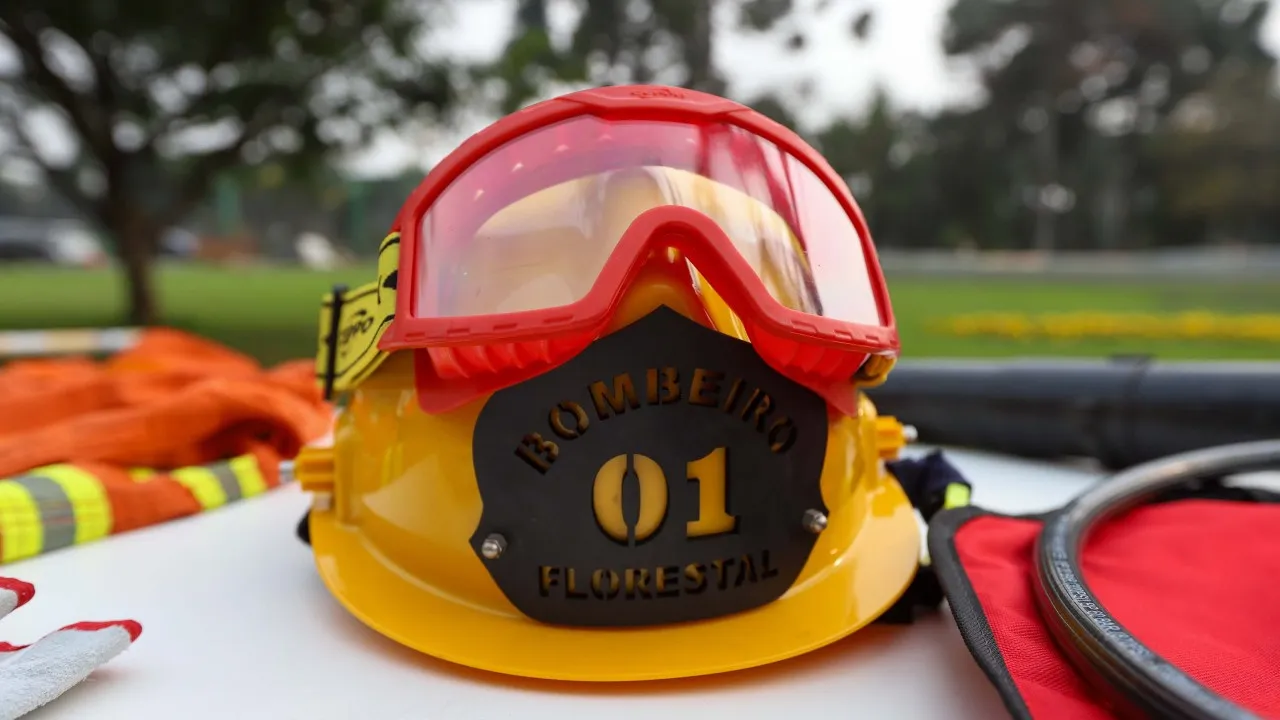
(272, 312)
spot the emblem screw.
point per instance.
(815, 521)
(494, 545)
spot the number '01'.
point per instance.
(708, 471)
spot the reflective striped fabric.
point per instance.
(58, 506)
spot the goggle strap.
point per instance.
(353, 322)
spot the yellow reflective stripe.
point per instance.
(957, 495)
(21, 534)
(217, 484)
(247, 472)
(202, 484)
(88, 498)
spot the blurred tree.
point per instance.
(529, 61)
(1076, 85)
(159, 98)
(1219, 160)
(614, 41)
(637, 41)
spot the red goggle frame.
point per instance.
(458, 359)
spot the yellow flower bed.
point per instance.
(1079, 325)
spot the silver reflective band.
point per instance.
(35, 343)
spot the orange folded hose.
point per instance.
(173, 426)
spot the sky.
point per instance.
(902, 55)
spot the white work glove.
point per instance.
(32, 675)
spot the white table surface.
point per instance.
(237, 624)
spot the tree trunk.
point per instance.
(135, 244)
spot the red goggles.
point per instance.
(516, 250)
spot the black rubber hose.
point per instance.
(1121, 412)
(1137, 680)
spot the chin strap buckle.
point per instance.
(932, 484)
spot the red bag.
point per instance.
(1195, 577)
